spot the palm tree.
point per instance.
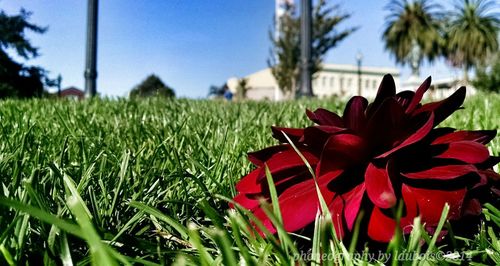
(472, 34)
(412, 32)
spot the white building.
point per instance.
(334, 80)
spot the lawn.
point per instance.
(146, 182)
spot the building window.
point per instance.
(374, 83)
(367, 84)
(332, 80)
(349, 83)
(341, 83)
(324, 82)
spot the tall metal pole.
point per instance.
(91, 50)
(359, 58)
(305, 48)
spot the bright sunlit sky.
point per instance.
(190, 44)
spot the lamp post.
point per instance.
(91, 50)
(305, 48)
(359, 58)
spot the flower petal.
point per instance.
(352, 201)
(445, 172)
(380, 227)
(340, 151)
(404, 98)
(324, 117)
(465, 151)
(431, 202)
(300, 203)
(293, 133)
(387, 89)
(287, 160)
(413, 138)
(419, 94)
(354, 113)
(379, 187)
(316, 136)
(250, 183)
(258, 158)
(444, 108)
(481, 136)
(247, 202)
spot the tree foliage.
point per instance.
(488, 78)
(152, 86)
(471, 34)
(16, 79)
(412, 31)
(285, 52)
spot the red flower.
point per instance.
(372, 157)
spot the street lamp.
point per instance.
(305, 49)
(91, 50)
(359, 58)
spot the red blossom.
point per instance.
(372, 157)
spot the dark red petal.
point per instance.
(247, 202)
(442, 172)
(472, 207)
(489, 163)
(299, 204)
(250, 183)
(340, 151)
(324, 117)
(294, 134)
(465, 151)
(444, 108)
(286, 160)
(317, 136)
(387, 89)
(385, 125)
(352, 201)
(336, 208)
(260, 157)
(481, 136)
(380, 227)
(379, 187)
(354, 113)
(431, 202)
(419, 94)
(404, 98)
(413, 138)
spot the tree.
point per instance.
(472, 34)
(16, 79)
(152, 86)
(412, 32)
(488, 78)
(285, 52)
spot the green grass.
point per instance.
(147, 182)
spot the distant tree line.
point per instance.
(466, 36)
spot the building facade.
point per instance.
(333, 80)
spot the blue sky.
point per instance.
(189, 44)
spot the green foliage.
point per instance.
(17, 80)
(471, 33)
(410, 23)
(285, 52)
(152, 86)
(488, 78)
(148, 182)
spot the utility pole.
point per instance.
(91, 50)
(305, 48)
(359, 58)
